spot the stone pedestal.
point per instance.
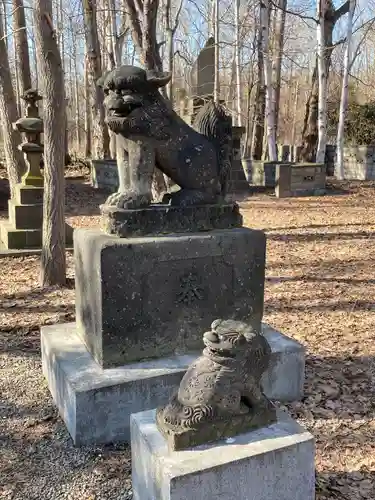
(96, 404)
(152, 297)
(271, 463)
(264, 173)
(301, 179)
(104, 175)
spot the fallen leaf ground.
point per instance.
(319, 289)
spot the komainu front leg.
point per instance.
(128, 200)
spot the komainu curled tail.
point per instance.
(216, 124)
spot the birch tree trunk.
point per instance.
(310, 133)
(8, 115)
(53, 260)
(339, 167)
(238, 62)
(21, 45)
(270, 103)
(280, 16)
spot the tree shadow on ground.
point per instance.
(320, 236)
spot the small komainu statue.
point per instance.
(221, 394)
(196, 160)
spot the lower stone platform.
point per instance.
(271, 463)
(96, 403)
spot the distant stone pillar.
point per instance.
(23, 229)
(238, 180)
(32, 127)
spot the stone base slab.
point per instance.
(271, 463)
(166, 219)
(19, 239)
(96, 404)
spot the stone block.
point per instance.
(158, 219)
(25, 216)
(104, 175)
(264, 173)
(19, 238)
(96, 404)
(139, 298)
(271, 463)
(28, 195)
(302, 179)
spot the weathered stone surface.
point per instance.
(25, 216)
(104, 175)
(202, 75)
(301, 179)
(28, 195)
(196, 160)
(96, 404)
(264, 173)
(33, 125)
(140, 298)
(13, 238)
(164, 219)
(220, 395)
(271, 463)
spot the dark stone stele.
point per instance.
(220, 396)
(164, 219)
(150, 297)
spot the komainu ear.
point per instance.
(158, 79)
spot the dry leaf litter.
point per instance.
(319, 290)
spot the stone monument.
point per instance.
(24, 228)
(219, 436)
(156, 275)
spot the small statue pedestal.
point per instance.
(273, 463)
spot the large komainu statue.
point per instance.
(197, 160)
(221, 393)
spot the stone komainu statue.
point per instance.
(197, 160)
(221, 393)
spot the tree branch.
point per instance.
(296, 14)
(341, 11)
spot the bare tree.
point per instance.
(142, 20)
(279, 21)
(237, 50)
(53, 260)
(259, 103)
(8, 115)
(323, 81)
(339, 166)
(100, 129)
(171, 28)
(216, 7)
(270, 104)
(310, 129)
